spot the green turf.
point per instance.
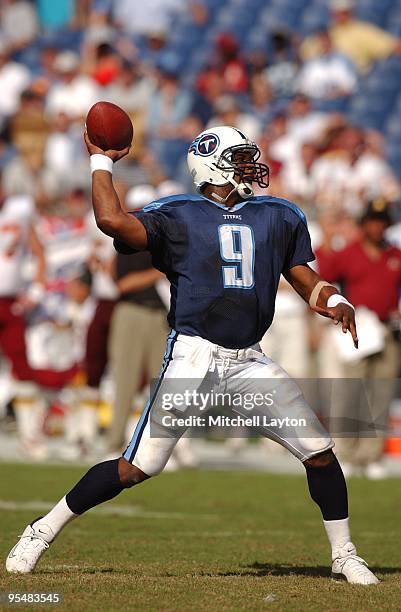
(205, 541)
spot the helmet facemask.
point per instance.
(247, 170)
(241, 173)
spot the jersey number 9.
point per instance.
(237, 246)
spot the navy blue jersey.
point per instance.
(224, 264)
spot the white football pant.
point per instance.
(194, 364)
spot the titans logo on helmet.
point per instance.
(205, 145)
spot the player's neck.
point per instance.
(210, 192)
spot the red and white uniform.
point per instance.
(16, 217)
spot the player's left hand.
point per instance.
(344, 314)
(93, 149)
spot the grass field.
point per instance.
(202, 541)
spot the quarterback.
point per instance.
(223, 251)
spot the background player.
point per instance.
(17, 239)
(223, 252)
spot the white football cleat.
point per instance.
(351, 567)
(24, 556)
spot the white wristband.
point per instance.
(101, 162)
(336, 299)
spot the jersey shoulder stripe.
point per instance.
(272, 200)
(169, 201)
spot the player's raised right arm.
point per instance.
(110, 216)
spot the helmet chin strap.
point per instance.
(244, 190)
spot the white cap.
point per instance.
(140, 195)
(341, 5)
(66, 61)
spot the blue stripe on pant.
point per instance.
(131, 449)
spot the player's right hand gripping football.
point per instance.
(114, 155)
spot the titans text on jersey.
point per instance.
(224, 264)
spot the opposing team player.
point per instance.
(17, 238)
(223, 251)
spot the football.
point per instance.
(109, 126)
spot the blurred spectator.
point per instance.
(132, 89)
(331, 75)
(210, 87)
(29, 128)
(21, 12)
(59, 153)
(289, 323)
(64, 234)
(75, 93)
(298, 124)
(304, 123)
(81, 415)
(351, 175)
(22, 176)
(226, 65)
(370, 271)
(230, 64)
(256, 61)
(363, 43)
(107, 65)
(228, 112)
(17, 238)
(152, 16)
(298, 178)
(278, 141)
(261, 98)
(44, 71)
(14, 78)
(282, 68)
(168, 106)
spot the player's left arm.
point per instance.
(316, 292)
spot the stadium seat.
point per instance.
(394, 26)
(397, 107)
(30, 56)
(394, 158)
(257, 39)
(280, 16)
(393, 129)
(339, 105)
(379, 18)
(314, 20)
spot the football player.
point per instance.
(223, 251)
(17, 237)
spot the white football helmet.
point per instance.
(212, 160)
